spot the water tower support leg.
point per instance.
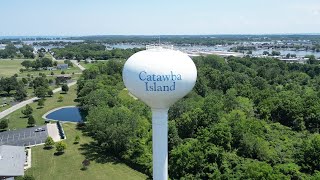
(160, 143)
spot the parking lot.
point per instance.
(24, 137)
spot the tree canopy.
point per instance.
(246, 118)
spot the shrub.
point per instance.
(77, 139)
(28, 111)
(31, 121)
(85, 164)
(41, 102)
(65, 88)
(50, 92)
(61, 146)
(60, 98)
(3, 124)
(49, 142)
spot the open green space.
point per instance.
(6, 100)
(46, 165)
(10, 67)
(86, 65)
(34, 73)
(17, 120)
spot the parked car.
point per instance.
(39, 130)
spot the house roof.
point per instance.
(62, 65)
(12, 159)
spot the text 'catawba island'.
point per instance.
(154, 82)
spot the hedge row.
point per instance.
(61, 131)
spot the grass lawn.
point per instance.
(16, 120)
(35, 73)
(9, 67)
(46, 165)
(86, 65)
(4, 100)
(4, 108)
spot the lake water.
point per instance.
(71, 114)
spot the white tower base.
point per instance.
(160, 143)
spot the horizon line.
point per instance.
(89, 35)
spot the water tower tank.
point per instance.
(159, 77)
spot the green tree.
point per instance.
(61, 146)
(46, 62)
(3, 124)
(25, 81)
(49, 142)
(309, 156)
(8, 84)
(60, 98)
(40, 81)
(77, 139)
(41, 92)
(265, 53)
(20, 94)
(27, 64)
(27, 111)
(113, 127)
(65, 88)
(85, 164)
(311, 59)
(50, 92)
(31, 121)
(41, 102)
(275, 53)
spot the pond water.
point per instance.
(71, 114)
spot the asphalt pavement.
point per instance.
(24, 137)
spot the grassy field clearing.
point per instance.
(10, 67)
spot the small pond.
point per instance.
(71, 114)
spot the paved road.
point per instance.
(29, 101)
(78, 64)
(24, 137)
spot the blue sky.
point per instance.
(151, 17)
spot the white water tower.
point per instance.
(159, 76)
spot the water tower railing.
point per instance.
(159, 46)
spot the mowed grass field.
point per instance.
(9, 67)
(17, 121)
(86, 65)
(46, 165)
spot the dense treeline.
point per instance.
(246, 118)
(11, 86)
(11, 51)
(91, 51)
(38, 63)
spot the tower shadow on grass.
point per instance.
(94, 152)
